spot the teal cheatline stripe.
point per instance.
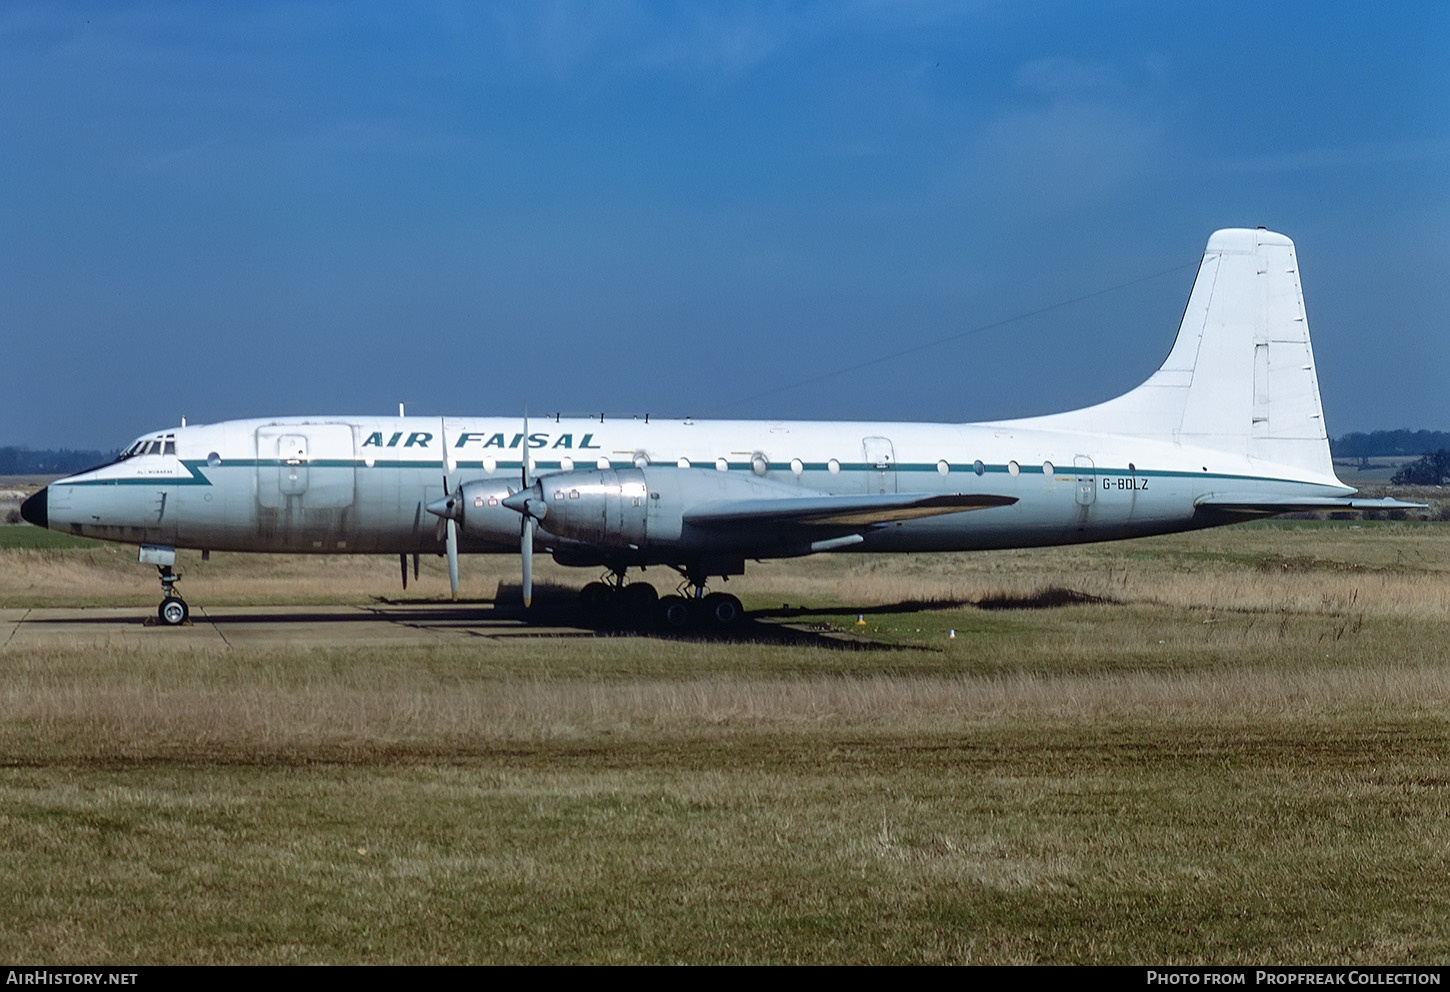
(197, 477)
(1063, 472)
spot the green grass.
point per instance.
(25, 536)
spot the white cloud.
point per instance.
(1060, 78)
(567, 38)
(1074, 133)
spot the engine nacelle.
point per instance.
(625, 514)
(608, 508)
(483, 515)
(641, 510)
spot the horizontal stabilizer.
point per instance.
(1303, 504)
(837, 511)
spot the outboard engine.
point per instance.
(639, 510)
(608, 507)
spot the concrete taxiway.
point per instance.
(272, 626)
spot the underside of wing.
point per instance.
(1250, 507)
(837, 511)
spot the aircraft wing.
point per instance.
(1268, 507)
(836, 511)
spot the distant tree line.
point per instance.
(1431, 470)
(1378, 444)
(48, 461)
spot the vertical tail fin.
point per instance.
(1240, 377)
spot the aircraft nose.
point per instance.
(36, 509)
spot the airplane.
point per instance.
(1230, 428)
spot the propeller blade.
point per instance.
(525, 465)
(453, 557)
(403, 563)
(526, 553)
(453, 505)
(528, 504)
(521, 502)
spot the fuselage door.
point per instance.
(292, 464)
(1087, 480)
(880, 456)
(305, 466)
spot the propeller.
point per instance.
(448, 509)
(529, 503)
(526, 528)
(452, 549)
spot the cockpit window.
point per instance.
(148, 446)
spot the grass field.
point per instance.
(1225, 747)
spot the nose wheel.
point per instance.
(173, 611)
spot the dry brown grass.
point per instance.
(1235, 756)
(259, 717)
(1329, 569)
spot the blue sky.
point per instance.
(219, 211)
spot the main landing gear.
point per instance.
(638, 601)
(173, 611)
(717, 610)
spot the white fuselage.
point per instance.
(1229, 427)
(361, 484)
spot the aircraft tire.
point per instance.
(639, 597)
(722, 609)
(675, 612)
(173, 612)
(596, 597)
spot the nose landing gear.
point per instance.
(173, 611)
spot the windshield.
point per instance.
(149, 446)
